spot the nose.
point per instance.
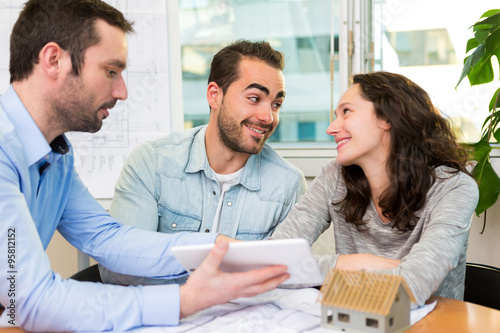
(265, 114)
(120, 89)
(334, 127)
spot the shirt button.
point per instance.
(208, 230)
(47, 157)
(214, 192)
(229, 203)
(174, 225)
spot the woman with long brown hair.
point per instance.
(398, 194)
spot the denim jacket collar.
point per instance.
(198, 161)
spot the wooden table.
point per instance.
(449, 316)
(458, 317)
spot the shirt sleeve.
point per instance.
(443, 239)
(43, 301)
(135, 204)
(123, 249)
(310, 217)
(295, 195)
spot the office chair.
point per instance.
(482, 285)
(90, 273)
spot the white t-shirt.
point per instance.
(225, 183)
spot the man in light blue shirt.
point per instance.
(67, 59)
(220, 177)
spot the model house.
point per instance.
(358, 301)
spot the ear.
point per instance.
(214, 95)
(381, 123)
(52, 60)
(385, 125)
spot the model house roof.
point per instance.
(362, 291)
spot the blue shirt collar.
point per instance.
(35, 146)
(250, 178)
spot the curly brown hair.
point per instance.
(421, 140)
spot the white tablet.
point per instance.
(247, 255)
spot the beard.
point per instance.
(230, 132)
(75, 109)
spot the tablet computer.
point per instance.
(247, 255)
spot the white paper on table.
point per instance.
(303, 300)
(279, 310)
(420, 312)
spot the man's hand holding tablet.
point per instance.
(208, 285)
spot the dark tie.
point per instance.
(43, 166)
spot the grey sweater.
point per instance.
(432, 255)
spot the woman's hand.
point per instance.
(365, 261)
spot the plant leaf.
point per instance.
(465, 70)
(481, 151)
(478, 68)
(470, 62)
(492, 45)
(482, 34)
(486, 177)
(481, 72)
(490, 12)
(497, 52)
(489, 186)
(494, 99)
(492, 21)
(471, 44)
(496, 135)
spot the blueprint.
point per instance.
(279, 311)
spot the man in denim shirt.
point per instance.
(220, 177)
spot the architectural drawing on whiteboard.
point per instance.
(99, 157)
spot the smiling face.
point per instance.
(248, 113)
(85, 99)
(362, 139)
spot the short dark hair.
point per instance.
(224, 69)
(69, 23)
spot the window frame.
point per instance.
(355, 29)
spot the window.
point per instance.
(370, 322)
(343, 317)
(412, 38)
(329, 317)
(299, 28)
(423, 47)
(416, 39)
(307, 131)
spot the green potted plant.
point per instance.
(478, 68)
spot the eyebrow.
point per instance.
(265, 90)
(117, 63)
(339, 107)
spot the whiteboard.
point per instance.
(145, 115)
